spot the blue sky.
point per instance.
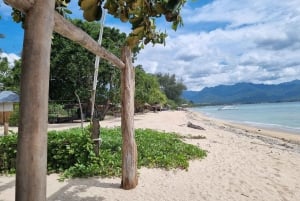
(221, 42)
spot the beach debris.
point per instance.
(189, 136)
(191, 125)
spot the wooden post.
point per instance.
(5, 128)
(32, 139)
(95, 135)
(129, 149)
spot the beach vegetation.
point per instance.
(72, 66)
(147, 89)
(70, 152)
(171, 86)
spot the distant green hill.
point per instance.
(246, 93)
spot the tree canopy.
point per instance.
(10, 75)
(141, 14)
(147, 89)
(171, 86)
(72, 70)
(72, 66)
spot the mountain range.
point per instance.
(245, 93)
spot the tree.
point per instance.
(5, 71)
(10, 75)
(72, 68)
(147, 89)
(39, 23)
(171, 87)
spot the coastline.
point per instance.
(238, 127)
(242, 164)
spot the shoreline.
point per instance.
(282, 134)
(271, 136)
(242, 164)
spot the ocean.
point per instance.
(283, 116)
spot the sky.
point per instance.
(222, 42)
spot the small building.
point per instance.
(7, 100)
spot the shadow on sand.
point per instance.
(74, 187)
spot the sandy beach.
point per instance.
(243, 163)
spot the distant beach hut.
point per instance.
(7, 100)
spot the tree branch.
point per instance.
(21, 5)
(70, 31)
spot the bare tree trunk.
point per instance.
(32, 139)
(129, 149)
(80, 108)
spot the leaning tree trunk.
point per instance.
(32, 138)
(129, 149)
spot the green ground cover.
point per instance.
(70, 152)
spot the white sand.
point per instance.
(241, 165)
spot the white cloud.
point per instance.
(258, 42)
(11, 57)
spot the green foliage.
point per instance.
(171, 87)
(61, 7)
(14, 116)
(164, 150)
(8, 154)
(141, 14)
(10, 75)
(5, 71)
(55, 110)
(71, 152)
(147, 89)
(72, 67)
(69, 148)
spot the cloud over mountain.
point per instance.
(225, 42)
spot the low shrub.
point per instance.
(67, 148)
(70, 152)
(14, 116)
(8, 153)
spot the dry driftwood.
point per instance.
(191, 125)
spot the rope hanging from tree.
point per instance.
(97, 61)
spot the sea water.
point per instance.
(279, 116)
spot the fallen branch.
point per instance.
(191, 125)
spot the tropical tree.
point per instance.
(10, 75)
(171, 86)
(147, 89)
(72, 66)
(72, 69)
(39, 23)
